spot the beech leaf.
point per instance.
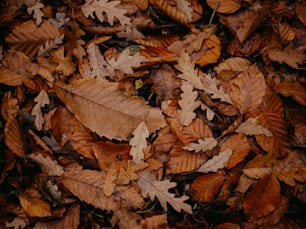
(138, 142)
(216, 162)
(202, 145)
(150, 187)
(103, 108)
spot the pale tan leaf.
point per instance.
(185, 7)
(71, 220)
(125, 62)
(252, 127)
(152, 188)
(225, 6)
(233, 64)
(17, 223)
(248, 89)
(155, 221)
(36, 11)
(131, 33)
(188, 104)
(28, 38)
(139, 142)
(110, 177)
(189, 73)
(59, 19)
(34, 206)
(216, 162)
(97, 63)
(103, 108)
(181, 161)
(49, 45)
(49, 166)
(87, 185)
(101, 7)
(12, 137)
(210, 114)
(257, 173)
(202, 145)
(41, 100)
(54, 191)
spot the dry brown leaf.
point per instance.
(101, 7)
(216, 162)
(125, 219)
(17, 223)
(257, 173)
(150, 187)
(16, 67)
(41, 100)
(34, 206)
(157, 55)
(110, 177)
(227, 225)
(87, 185)
(49, 166)
(225, 6)
(130, 174)
(240, 147)
(28, 38)
(202, 145)
(291, 56)
(252, 127)
(36, 11)
(248, 89)
(138, 142)
(65, 65)
(155, 221)
(13, 138)
(286, 32)
(230, 67)
(188, 104)
(244, 22)
(301, 12)
(210, 52)
(128, 197)
(263, 198)
(185, 7)
(106, 110)
(244, 184)
(206, 187)
(166, 85)
(71, 220)
(295, 89)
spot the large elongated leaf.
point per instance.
(103, 108)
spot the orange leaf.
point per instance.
(34, 206)
(263, 198)
(212, 51)
(295, 89)
(206, 187)
(225, 6)
(248, 89)
(12, 137)
(301, 12)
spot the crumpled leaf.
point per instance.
(41, 100)
(106, 110)
(216, 162)
(99, 7)
(252, 127)
(49, 166)
(202, 145)
(138, 142)
(150, 187)
(188, 104)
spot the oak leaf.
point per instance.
(88, 186)
(41, 100)
(106, 110)
(17, 223)
(49, 166)
(202, 145)
(138, 142)
(251, 127)
(36, 11)
(188, 104)
(110, 177)
(65, 65)
(99, 7)
(150, 187)
(216, 162)
(185, 7)
(49, 45)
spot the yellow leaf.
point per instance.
(34, 206)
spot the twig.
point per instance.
(214, 12)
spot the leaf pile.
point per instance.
(152, 114)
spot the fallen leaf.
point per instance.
(49, 166)
(110, 177)
(295, 89)
(155, 221)
(34, 206)
(216, 162)
(138, 142)
(118, 115)
(150, 187)
(226, 6)
(41, 100)
(251, 127)
(202, 145)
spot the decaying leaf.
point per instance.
(217, 162)
(202, 145)
(152, 188)
(51, 167)
(138, 142)
(106, 110)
